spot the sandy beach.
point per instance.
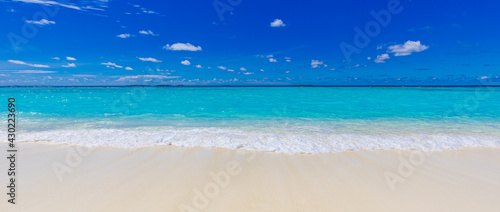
(167, 178)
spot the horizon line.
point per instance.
(304, 85)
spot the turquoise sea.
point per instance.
(281, 119)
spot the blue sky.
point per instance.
(242, 42)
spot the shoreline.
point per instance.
(70, 145)
(169, 178)
(258, 86)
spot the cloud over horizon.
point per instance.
(28, 64)
(407, 48)
(182, 47)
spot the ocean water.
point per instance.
(280, 119)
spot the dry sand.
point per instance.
(69, 178)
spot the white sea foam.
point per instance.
(285, 141)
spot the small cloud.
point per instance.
(407, 48)
(52, 3)
(42, 22)
(146, 77)
(110, 65)
(182, 47)
(243, 69)
(186, 62)
(316, 63)
(56, 58)
(33, 72)
(28, 64)
(150, 59)
(272, 60)
(222, 68)
(70, 58)
(484, 77)
(262, 70)
(198, 66)
(84, 75)
(277, 23)
(123, 36)
(70, 65)
(149, 32)
(369, 58)
(128, 69)
(144, 10)
(231, 70)
(381, 58)
(248, 73)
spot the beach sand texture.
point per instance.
(167, 178)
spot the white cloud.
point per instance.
(84, 75)
(70, 58)
(243, 69)
(262, 70)
(277, 23)
(182, 47)
(248, 73)
(272, 60)
(146, 76)
(407, 48)
(316, 63)
(222, 68)
(28, 64)
(52, 3)
(70, 65)
(369, 58)
(186, 62)
(198, 66)
(123, 36)
(288, 60)
(381, 58)
(41, 22)
(129, 69)
(110, 65)
(231, 70)
(149, 32)
(484, 77)
(56, 58)
(144, 10)
(31, 71)
(150, 59)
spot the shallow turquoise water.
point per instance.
(278, 111)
